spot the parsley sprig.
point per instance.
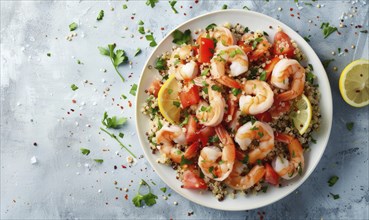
(180, 37)
(149, 198)
(172, 4)
(327, 29)
(120, 143)
(113, 122)
(152, 3)
(117, 58)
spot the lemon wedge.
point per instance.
(168, 100)
(301, 114)
(354, 83)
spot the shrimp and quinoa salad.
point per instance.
(232, 111)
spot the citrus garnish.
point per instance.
(301, 114)
(168, 100)
(354, 83)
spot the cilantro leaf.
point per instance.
(133, 89)
(224, 6)
(335, 196)
(149, 198)
(125, 6)
(245, 160)
(172, 4)
(164, 189)
(160, 64)
(350, 125)
(137, 200)
(263, 76)
(99, 160)
(151, 39)
(327, 29)
(100, 16)
(152, 3)
(74, 87)
(310, 77)
(138, 51)
(185, 161)
(113, 122)
(332, 180)
(180, 37)
(73, 26)
(210, 26)
(141, 30)
(104, 51)
(116, 59)
(85, 151)
(120, 143)
(236, 91)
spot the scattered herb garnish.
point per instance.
(258, 161)
(113, 122)
(332, 180)
(350, 125)
(211, 169)
(261, 134)
(236, 91)
(327, 30)
(299, 169)
(116, 58)
(140, 22)
(246, 30)
(339, 50)
(172, 4)
(121, 135)
(99, 160)
(335, 196)
(263, 76)
(245, 7)
(216, 88)
(149, 198)
(79, 62)
(120, 143)
(160, 64)
(364, 31)
(327, 62)
(152, 3)
(180, 37)
(245, 160)
(310, 77)
(213, 139)
(264, 189)
(205, 72)
(124, 97)
(308, 3)
(138, 51)
(185, 161)
(141, 30)
(224, 6)
(133, 89)
(307, 38)
(48, 54)
(74, 87)
(100, 16)
(210, 26)
(185, 121)
(125, 6)
(151, 39)
(176, 103)
(164, 189)
(73, 26)
(85, 151)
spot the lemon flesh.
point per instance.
(354, 83)
(168, 100)
(301, 114)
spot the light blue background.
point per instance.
(36, 96)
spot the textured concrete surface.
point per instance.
(36, 98)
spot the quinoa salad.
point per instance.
(232, 110)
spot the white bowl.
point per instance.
(255, 21)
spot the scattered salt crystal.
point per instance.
(94, 103)
(103, 81)
(99, 191)
(31, 39)
(87, 165)
(19, 104)
(77, 173)
(77, 124)
(83, 103)
(117, 152)
(33, 160)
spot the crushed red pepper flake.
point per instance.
(74, 101)
(126, 196)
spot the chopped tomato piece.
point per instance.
(195, 50)
(271, 176)
(154, 87)
(190, 97)
(282, 45)
(204, 134)
(245, 47)
(279, 108)
(232, 107)
(270, 66)
(206, 50)
(193, 181)
(192, 150)
(265, 117)
(191, 128)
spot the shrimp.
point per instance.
(288, 169)
(242, 182)
(167, 136)
(256, 131)
(215, 163)
(256, 46)
(223, 36)
(182, 65)
(211, 114)
(282, 71)
(257, 97)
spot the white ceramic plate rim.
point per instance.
(323, 83)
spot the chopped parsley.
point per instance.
(141, 30)
(211, 170)
(74, 87)
(117, 58)
(335, 196)
(138, 51)
(161, 64)
(73, 26)
(245, 159)
(224, 6)
(133, 89)
(236, 91)
(121, 135)
(258, 161)
(99, 160)
(164, 189)
(149, 198)
(332, 181)
(85, 151)
(180, 37)
(124, 97)
(264, 189)
(120, 143)
(185, 121)
(205, 72)
(152, 3)
(125, 6)
(79, 62)
(310, 77)
(256, 41)
(307, 38)
(140, 22)
(176, 103)
(216, 88)
(48, 54)
(246, 30)
(263, 76)
(172, 4)
(245, 7)
(100, 16)
(261, 134)
(213, 139)
(350, 125)
(151, 39)
(210, 26)
(185, 161)
(327, 29)
(235, 52)
(205, 109)
(113, 122)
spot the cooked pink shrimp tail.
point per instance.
(243, 182)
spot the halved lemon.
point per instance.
(168, 100)
(301, 114)
(354, 83)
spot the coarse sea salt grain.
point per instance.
(33, 160)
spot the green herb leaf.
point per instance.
(137, 200)
(211, 169)
(133, 89)
(350, 125)
(310, 77)
(172, 4)
(216, 88)
(100, 16)
(299, 169)
(205, 72)
(138, 51)
(124, 97)
(185, 161)
(48, 54)
(210, 26)
(164, 189)
(327, 29)
(246, 30)
(335, 196)
(99, 160)
(125, 6)
(176, 103)
(307, 38)
(245, 160)
(224, 6)
(104, 51)
(258, 161)
(332, 180)
(180, 37)
(150, 199)
(245, 7)
(141, 30)
(73, 26)
(151, 39)
(185, 121)
(85, 151)
(161, 64)
(264, 189)
(113, 122)
(152, 3)
(213, 139)
(116, 58)
(263, 76)
(236, 91)
(140, 22)
(261, 134)
(327, 62)
(74, 87)
(121, 135)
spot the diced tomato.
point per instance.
(192, 150)
(190, 97)
(191, 128)
(154, 87)
(195, 50)
(271, 176)
(279, 108)
(282, 45)
(193, 181)
(265, 117)
(206, 50)
(204, 134)
(270, 66)
(232, 107)
(245, 47)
